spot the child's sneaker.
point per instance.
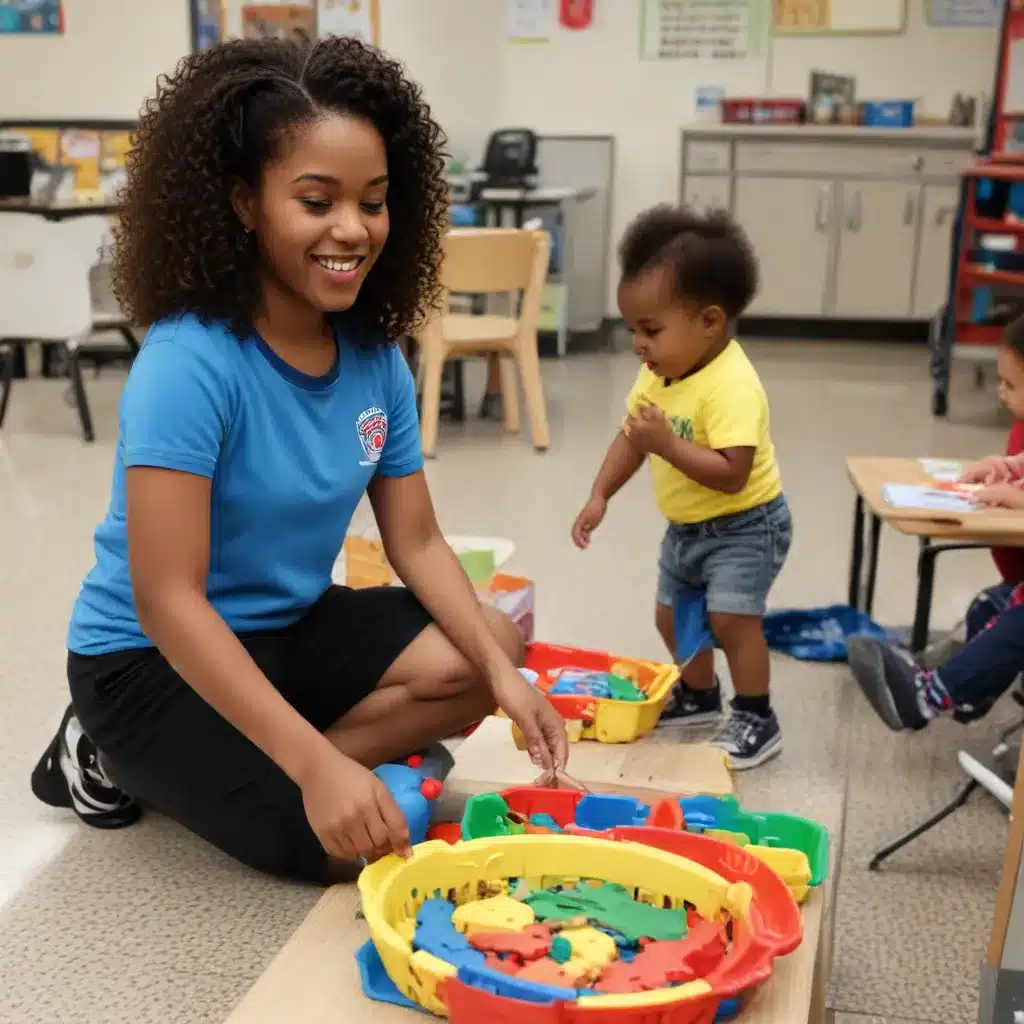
(70, 774)
(903, 694)
(749, 739)
(687, 706)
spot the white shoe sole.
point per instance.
(771, 749)
(690, 721)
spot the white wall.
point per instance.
(108, 59)
(591, 81)
(594, 81)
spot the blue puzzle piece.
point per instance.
(545, 821)
(435, 934)
(488, 980)
(600, 812)
(377, 985)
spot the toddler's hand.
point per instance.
(993, 470)
(1001, 495)
(647, 430)
(587, 521)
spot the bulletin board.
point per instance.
(839, 17)
(256, 19)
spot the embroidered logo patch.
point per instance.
(372, 428)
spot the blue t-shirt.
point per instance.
(289, 456)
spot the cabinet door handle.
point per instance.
(855, 211)
(942, 214)
(910, 210)
(823, 212)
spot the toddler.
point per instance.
(699, 413)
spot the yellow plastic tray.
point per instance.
(393, 890)
(609, 721)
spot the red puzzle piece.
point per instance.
(546, 972)
(504, 966)
(529, 944)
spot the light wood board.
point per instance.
(314, 979)
(870, 474)
(656, 766)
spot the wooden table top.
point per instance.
(870, 474)
(314, 979)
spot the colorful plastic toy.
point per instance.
(442, 972)
(796, 848)
(413, 793)
(637, 692)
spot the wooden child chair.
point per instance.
(489, 261)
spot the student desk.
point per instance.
(937, 531)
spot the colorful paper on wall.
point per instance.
(207, 24)
(33, 17)
(963, 13)
(359, 19)
(279, 21)
(529, 21)
(728, 30)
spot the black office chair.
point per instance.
(510, 161)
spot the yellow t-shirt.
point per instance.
(721, 406)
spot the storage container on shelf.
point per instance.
(887, 113)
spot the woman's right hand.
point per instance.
(352, 812)
(992, 470)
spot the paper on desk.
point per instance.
(928, 498)
(942, 469)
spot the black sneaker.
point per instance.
(749, 739)
(891, 681)
(687, 706)
(70, 774)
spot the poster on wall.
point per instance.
(279, 21)
(963, 13)
(31, 17)
(207, 23)
(529, 21)
(359, 19)
(726, 30)
(839, 17)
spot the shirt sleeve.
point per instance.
(640, 390)
(402, 454)
(175, 407)
(734, 417)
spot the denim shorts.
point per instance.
(733, 559)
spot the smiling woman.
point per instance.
(282, 224)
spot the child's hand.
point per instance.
(587, 521)
(992, 470)
(647, 430)
(1001, 495)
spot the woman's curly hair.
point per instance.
(221, 116)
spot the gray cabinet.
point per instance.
(850, 223)
(938, 216)
(796, 284)
(708, 192)
(875, 243)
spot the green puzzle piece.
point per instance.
(624, 689)
(613, 907)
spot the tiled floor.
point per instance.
(147, 925)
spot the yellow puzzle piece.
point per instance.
(497, 914)
(591, 946)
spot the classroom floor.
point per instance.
(147, 925)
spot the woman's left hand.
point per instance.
(543, 727)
